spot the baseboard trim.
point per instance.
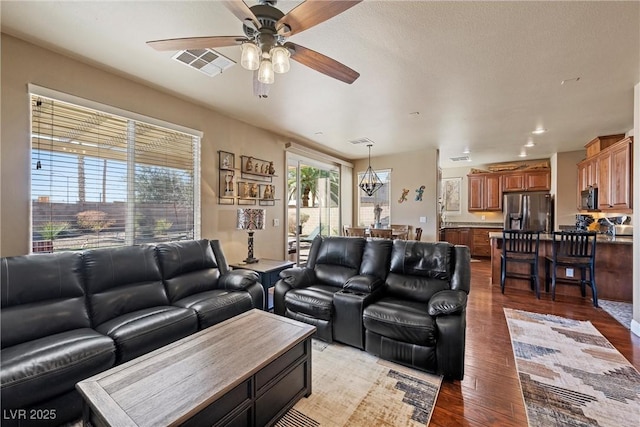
(635, 327)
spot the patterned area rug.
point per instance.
(570, 374)
(353, 388)
(621, 311)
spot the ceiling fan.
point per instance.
(265, 48)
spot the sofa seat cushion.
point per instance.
(142, 331)
(401, 320)
(217, 305)
(315, 301)
(46, 367)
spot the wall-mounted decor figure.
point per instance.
(419, 192)
(272, 170)
(228, 186)
(249, 164)
(254, 190)
(267, 194)
(403, 198)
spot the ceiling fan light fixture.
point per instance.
(250, 59)
(265, 72)
(280, 59)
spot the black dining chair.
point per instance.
(520, 247)
(573, 249)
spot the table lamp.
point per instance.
(251, 220)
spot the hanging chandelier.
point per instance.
(370, 182)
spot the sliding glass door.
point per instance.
(313, 206)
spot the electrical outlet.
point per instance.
(483, 217)
(276, 222)
(569, 272)
(423, 219)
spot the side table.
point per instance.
(269, 271)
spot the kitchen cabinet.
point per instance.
(610, 169)
(485, 192)
(457, 236)
(480, 244)
(527, 181)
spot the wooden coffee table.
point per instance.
(248, 370)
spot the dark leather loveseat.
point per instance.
(403, 301)
(67, 316)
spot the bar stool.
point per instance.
(520, 246)
(575, 249)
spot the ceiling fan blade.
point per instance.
(240, 9)
(310, 13)
(322, 63)
(196, 42)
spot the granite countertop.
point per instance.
(472, 225)
(601, 238)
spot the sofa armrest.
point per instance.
(238, 280)
(363, 283)
(447, 302)
(298, 277)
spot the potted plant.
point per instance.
(49, 231)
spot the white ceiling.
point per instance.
(482, 75)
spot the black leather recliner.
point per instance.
(403, 301)
(195, 279)
(47, 341)
(344, 265)
(419, 319)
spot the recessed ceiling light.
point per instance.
(530, 144)
(538, 131)
(466, 151)
(522, 154)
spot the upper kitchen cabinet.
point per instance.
(609, 167)
(527, 181)
(485, 192)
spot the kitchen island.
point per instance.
(614, 271)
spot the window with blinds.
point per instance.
(102, 180)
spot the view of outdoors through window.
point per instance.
(381, 199)
(102, 180)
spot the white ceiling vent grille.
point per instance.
(360, 141)
(206, 61)
(459, 159)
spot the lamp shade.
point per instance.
(251, 219)
(250, 58)
(280, 59)
(265, 72)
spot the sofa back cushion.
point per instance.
(337, 259)
(188, 267)
(376, 258)
(419, 269)
(122, 280)
(41, 295)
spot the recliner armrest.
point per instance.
(363, 283)
(447, 302)
(297, 277)
(238, 280)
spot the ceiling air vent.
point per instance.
(361, 141)
(206, 61)
(459, 159)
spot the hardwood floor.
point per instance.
(489, 394)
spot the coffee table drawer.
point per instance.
(238, 399)
(282, 395)
(275, 368)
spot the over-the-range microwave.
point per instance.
(589, 199)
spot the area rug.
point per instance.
(621, 311)
(353, 388)
(570, 374)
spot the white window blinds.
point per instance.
(100, 180)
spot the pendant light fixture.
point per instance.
(370, 182)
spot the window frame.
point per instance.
(130, 117)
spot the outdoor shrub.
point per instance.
(51, 230)
(95, 221)
(161, 227)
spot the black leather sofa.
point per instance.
(67, 316)
(404, 301)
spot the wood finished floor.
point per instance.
(489, 394)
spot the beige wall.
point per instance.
(24, 63)
(635, 323)
(408, 170)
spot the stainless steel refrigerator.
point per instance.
(528, 211)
